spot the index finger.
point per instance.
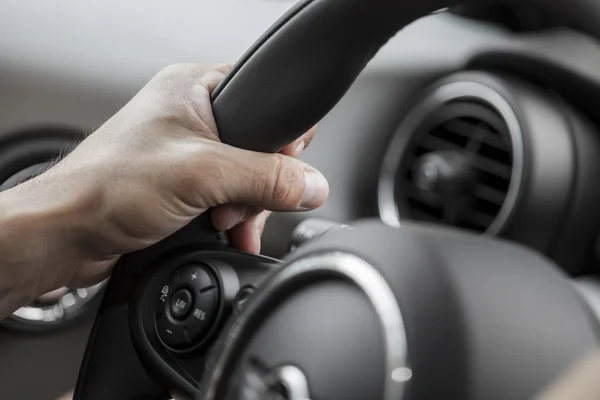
(297, 146)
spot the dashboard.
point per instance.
(518, 99)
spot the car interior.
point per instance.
(457, 255)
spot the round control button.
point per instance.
(196, 277)
(203, 315)
(242, 297)
(181, 304)
(172, 334)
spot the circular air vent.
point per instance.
(456, 160)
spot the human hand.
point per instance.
(66, 396)
(246, 223)
(147, 172)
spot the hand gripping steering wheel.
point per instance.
(368, 312)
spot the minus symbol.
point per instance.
(169, 332)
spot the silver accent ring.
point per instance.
(68, 306)
(367, 278)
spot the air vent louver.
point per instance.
(479, 136)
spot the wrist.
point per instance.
(40, 236)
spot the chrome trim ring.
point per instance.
(24, 175)
(68, 307)
(462, 90)
(348, 267)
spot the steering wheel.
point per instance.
(362, 312)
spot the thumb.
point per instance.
(273, 182)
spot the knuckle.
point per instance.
(173, 88)
(183, 72)
(206, 186)
(175, 78)
(283, 182)
(175, 71)
(183, 91)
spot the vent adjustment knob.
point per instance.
(448, 178)
(446, 174)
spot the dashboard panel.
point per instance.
(69, 65)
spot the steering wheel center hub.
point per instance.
(288, 338)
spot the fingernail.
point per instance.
(236, 215)
(315, 190)
(299, 148)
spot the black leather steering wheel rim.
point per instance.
(306, 61)
(294, 75)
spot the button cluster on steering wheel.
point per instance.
(187, 306)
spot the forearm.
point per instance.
(38, 245)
